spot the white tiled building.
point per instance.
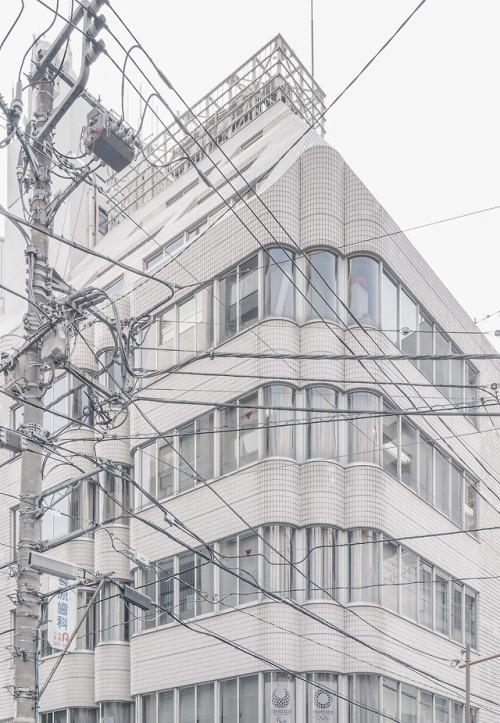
(286, 461)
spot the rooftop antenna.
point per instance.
(312, 38)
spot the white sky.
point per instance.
(420, 128)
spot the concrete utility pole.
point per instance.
(467, 665)
(28, 581)
(111, 142)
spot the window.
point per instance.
(279, 421)
(240, 294)
(277, 555)
(114, 495)
(241, 555)
(321, 563)
(102, 221)
(408, 324)
(239, 700)
(279, 284)
(164, 253)
(390, 317)
(321, 292)
(321, 427)
(186, 329)
(363, 441)
(240, 433)
(117, 712)
(116, 289)
(364, 290)
(411, 587)
(400, 701)
(364, 566)
(113, 615)
(81, 405)
(175, 463)
(196, 451)
(112, 372)
(56, 403)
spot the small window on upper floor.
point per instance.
(102, 221)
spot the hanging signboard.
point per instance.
(62, 615)
(280, 699)
(323, 706)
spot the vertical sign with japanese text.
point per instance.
(61, 615)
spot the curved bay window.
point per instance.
(321, 290)
(363, 427)
(386, 573)
(113, 615)
(364, 290)
(114, 498)
(279, 421)
(240, 433)
(279, 283)
(240, 292)
(321, 425)
(321, 563)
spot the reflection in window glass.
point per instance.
(363, 290)
(321, 291)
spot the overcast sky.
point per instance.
(420, 128)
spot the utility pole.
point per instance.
(467, 665)
(111, 142)
(28, 581)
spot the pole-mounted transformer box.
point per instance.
(109, 139)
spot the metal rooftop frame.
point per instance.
(274, 74)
